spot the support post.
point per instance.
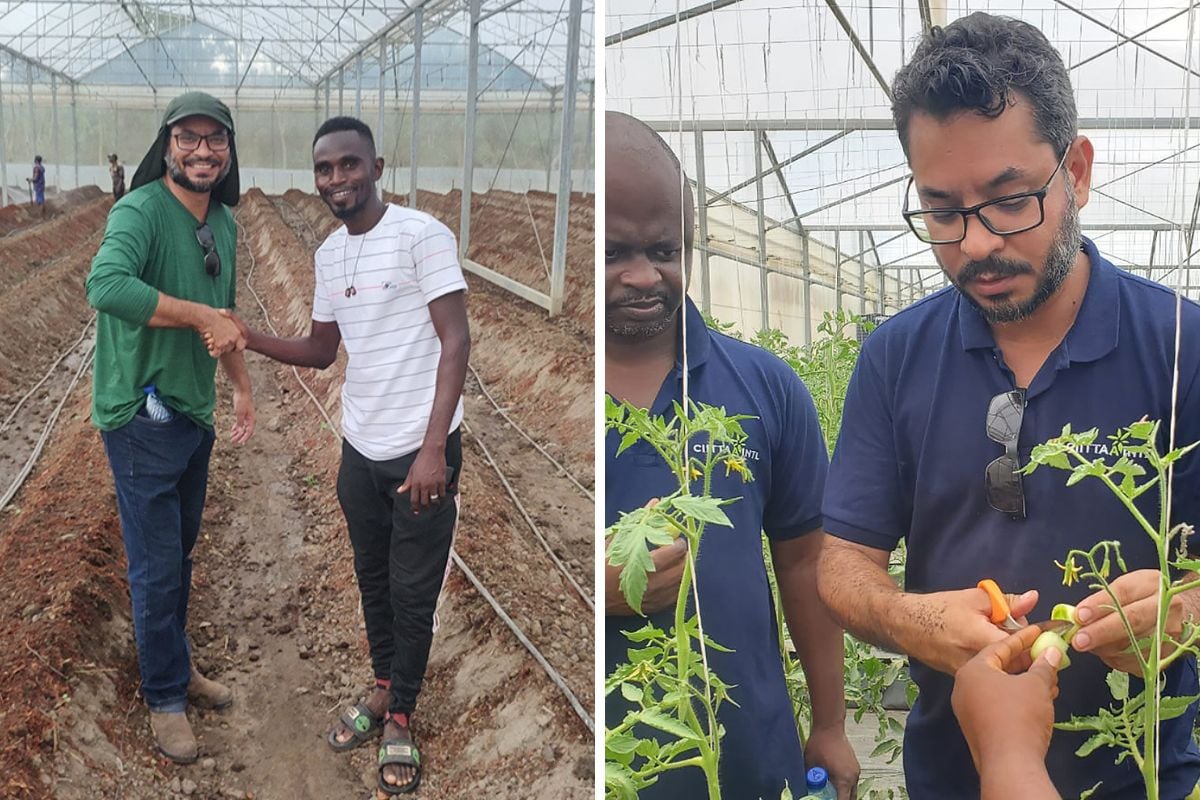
(75, 134)
(591, 128)
(550, 138)
(464, 224)
(837, 268)
(379, 134)
(806, 288)
(33, 126)
(562, 204)
(761, 221)
(358, 79)
(54, 132)
(702, 220)
(862, 278)
(3, 156)
(414, 148)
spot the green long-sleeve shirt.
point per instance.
(150, 246)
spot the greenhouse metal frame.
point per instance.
(858, 270)
(327, 57)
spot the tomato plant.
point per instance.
(667, 678)
(1131, 725)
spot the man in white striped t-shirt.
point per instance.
(389, 285)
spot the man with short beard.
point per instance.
(1038, 330)
(164, 268)
(389, 285)
(647, 246)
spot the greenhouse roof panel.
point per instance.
(181, 42)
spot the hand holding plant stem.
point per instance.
(662, 580)
(1103, 631)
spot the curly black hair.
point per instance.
(977, 63)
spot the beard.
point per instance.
(642, 329)
(177, 173)
(1064, 248)
(349, 211)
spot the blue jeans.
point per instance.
(161, 474)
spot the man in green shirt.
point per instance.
(164, 268)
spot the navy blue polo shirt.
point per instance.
(786, 453)
(910, 464)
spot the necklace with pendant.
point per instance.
(350, 290)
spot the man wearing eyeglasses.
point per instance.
(164, 268)
(1037, 330)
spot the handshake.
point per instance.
(223, 332)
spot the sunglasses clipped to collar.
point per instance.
(1003, 476)
(212, 260)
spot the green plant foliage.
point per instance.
(1130, 725)
(825, 366)
(665, 676)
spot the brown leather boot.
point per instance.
(174, 737)
(208, 694)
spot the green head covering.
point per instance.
(191, 104)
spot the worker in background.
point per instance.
(116, 171)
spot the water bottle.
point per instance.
(155, 408)
(818, 785)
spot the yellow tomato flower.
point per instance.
(737, 464)
(1071, 571)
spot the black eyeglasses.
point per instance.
(1003, 475)
(1004, 216)
(218, 142)
(212, 261)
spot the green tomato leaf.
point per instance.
(1188, 564)
(705, 509)
(647, 633)
(648, 748)
(666, 724)
(619, 780)
(628, 440)
(1080, 724)
(628, 550)
(1093, 744)
(1172, 707)
(1143, 431)
(1077, 474)
(620, 743)
(631, 693)
(1118, 684)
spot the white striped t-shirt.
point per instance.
(405, 262)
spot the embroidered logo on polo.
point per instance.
(743, 451)
(1101, 449)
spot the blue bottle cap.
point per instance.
(816, 778)
(149, 389)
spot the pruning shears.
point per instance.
(1002, 616)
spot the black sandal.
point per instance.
(360, 722)
(400, 752)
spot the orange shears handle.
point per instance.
(1000, 611)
